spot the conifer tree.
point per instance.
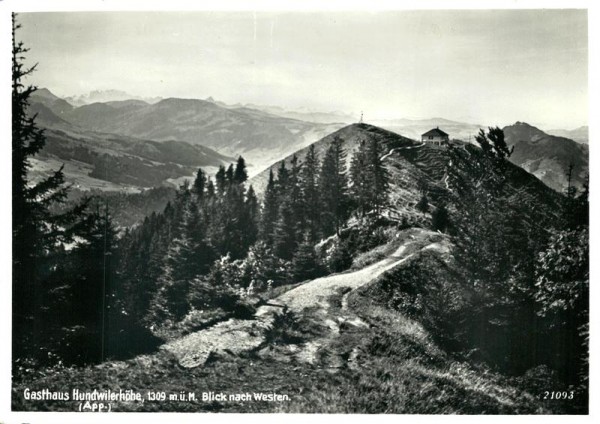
(266, 267)
(283, 176)
(188, 256)
(199, 183)
(141, 264)
(36, 232)
(252, 216)
(229, 175)
(333, 188)
(240, 174)
(495, 153)
(305, 264)
(294, 192)
(236, 237)
(379, 176)
(210, 189)
(360, 175)
(93, 282)
(221, 180)
(310, 193)
(270, 210)
(285, 231)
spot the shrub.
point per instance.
(340, 258)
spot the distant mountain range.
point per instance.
(103, 96)
(305, 114)
(108, 161)
(302, 113)
(547, 156)
(259, 136)
(580, 135)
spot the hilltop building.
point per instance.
(435, 136)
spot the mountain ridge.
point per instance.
(113, 162)
(579, 134)
(547, 156)
(351, 135)
(259, 136)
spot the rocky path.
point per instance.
(236, 336)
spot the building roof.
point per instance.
(434, 132)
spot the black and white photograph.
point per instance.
(298, 210)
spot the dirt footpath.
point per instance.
(236, 336)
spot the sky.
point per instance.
(491, 67)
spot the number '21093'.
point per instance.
(558, 395)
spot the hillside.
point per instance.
(414, 167)
(351, 135)
(45, 97)
(112, 162)
(47, 117)
(127, 162)
(547, 156)
(259, 136)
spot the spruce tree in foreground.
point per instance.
(370, 178)
(250, 220)
(379, 176)
(188, 257)
(361, 185)
(36, 232)
(285, 239)
(93, 280)
(305, 265)
(333, 186)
